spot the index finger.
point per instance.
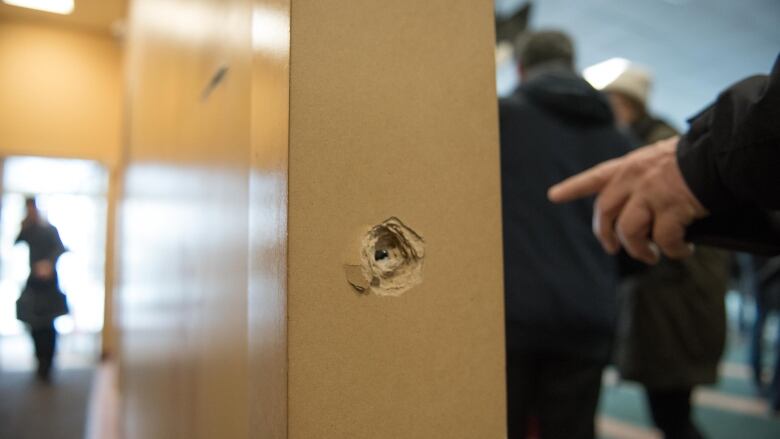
(585, 183)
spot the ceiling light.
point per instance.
(602, 74)
(63, 7)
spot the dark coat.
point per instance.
(729, 158)
(560, 284)
(41, 300)
(730, 155)
(649, 129)
(673, 322)
(44, 242)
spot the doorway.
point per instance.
(72, 196)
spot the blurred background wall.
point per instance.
(61, 88)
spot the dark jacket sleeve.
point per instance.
(57, 247)
(730, 157)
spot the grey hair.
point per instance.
(535, 49)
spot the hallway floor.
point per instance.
(32, 410)
(731, 409)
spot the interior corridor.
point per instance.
(288, 219)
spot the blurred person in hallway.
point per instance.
(41, 300)
(672, 333)
(628, 95)
(560, 286)
(672, 327)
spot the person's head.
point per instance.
(31, 208)
(543, 51)
(628, 94)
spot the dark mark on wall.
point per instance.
(216, 79)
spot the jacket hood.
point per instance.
(568, 95)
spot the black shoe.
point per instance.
(44, 372)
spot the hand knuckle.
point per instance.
(630, 231)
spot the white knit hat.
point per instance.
(633, 82)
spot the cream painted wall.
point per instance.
(60, 92)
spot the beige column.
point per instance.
(310, 233)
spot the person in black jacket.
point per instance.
(560, 296)
(725, 169)
(41, 301)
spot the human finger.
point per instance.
(633, 228)
(604, 227)
(607, 208)
(669, 235)
(585, 183)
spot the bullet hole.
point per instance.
(392, 257)
(381, 254)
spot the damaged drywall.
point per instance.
(391, 260)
